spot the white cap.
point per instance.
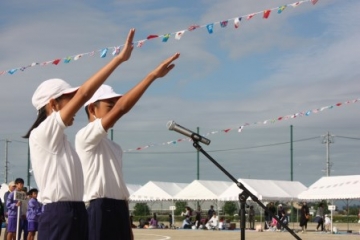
(280, 205)
(51, 89)
(104, 92)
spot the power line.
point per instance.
(353, 138)
(229, 149)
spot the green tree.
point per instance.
(141, 209)
(230, 208)
(180, 207)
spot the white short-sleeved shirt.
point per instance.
(101, 161)
(56, 165)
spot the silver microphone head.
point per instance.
(171, 124)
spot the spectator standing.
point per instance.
(2, 215)
(210, 212)
(33, 213)
(12, 187)
(12, 208)
(320, 217)
(251, 218)
(304, 217)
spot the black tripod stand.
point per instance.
(242, 196)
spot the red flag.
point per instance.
(314, 1)
(227, 130)
(250, 16)
(56, 62)
(266, 13)
(152, 36)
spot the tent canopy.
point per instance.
(155, 191)
(265, 190)
(203, 190)
(133, 188)
(335, 187)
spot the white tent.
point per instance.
(334, 187)
(203, 190)
(133, 188)
(265, 190)
(157, 191)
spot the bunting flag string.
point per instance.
(164, 38)
(241, 127)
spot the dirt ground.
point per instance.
(167, 234)
(179, 234)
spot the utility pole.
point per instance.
(6, 159)
(327, 139)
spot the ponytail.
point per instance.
(40, 118)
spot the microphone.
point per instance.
(195, 137)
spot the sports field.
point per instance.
(179, 234)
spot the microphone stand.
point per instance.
(245, 194)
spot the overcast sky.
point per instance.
(302, 59)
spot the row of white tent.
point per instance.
(336, 187)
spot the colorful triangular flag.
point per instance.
(67, 60)
(166, 37)
(237, 22)
(103, 53)
(314, 1)
(152, 36)
(116, 51)
(179, 34)
(224, 23)
(281, 9)
(210, 28)
(266, 14)
(250, 16)
(56, 62)
(140, 43)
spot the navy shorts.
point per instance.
(32, 226)
(63, 221)
(109, 219)
(11, 226)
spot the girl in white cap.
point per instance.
(57, 168)
(101, 158)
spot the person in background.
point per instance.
(252, 218)
(153, 222)
(320, 217)
(2, 215)
(12, 208)
(170, 221)
(213, 222)
(198, 217)
(11, 186)
(210, 212)
(186, 223)
(33, 213)
(304, 217)
(327, 223)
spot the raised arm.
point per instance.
(86, 90)
(128, 100)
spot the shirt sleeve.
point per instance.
(49, 134)
(90, 136)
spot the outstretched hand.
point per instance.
(128, 46)
(165, 66)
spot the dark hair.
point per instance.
(33, 190)
(40, 118)
(19, 180)
(87, 108)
